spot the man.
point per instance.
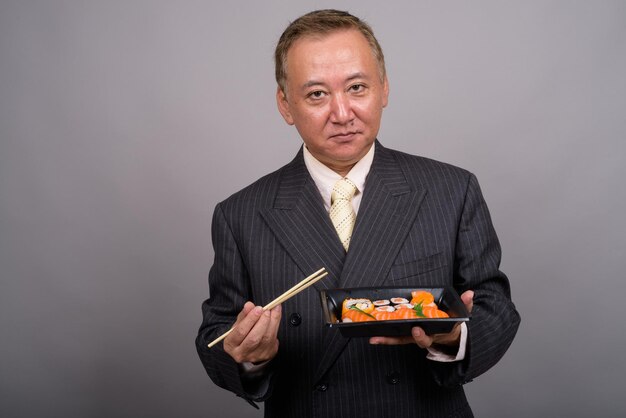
(419, 223)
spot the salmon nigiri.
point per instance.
(356, 315)
(385, 315)
(422, 296)
(434, 312)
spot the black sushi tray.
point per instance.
(446, 298)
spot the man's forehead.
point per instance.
(309, 56)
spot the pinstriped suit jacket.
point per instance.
(421, 223)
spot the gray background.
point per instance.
(122, 124)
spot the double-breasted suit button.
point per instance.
(393, 378)
(295, 319)
(321, 387)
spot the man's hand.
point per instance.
(254, 337)
(420, 338)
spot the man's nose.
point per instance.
(341, 109)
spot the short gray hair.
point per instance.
(322, 22)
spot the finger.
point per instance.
(257, 334)
(468, 299)
(420, 338)
(245, 322)
(391, 340)
(268, 346)
(276, 314)
(451, 338)
(271, 330)
(247, 307)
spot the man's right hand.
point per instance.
(254, 337)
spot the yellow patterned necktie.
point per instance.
(341, 212)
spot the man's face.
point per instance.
(334, 97)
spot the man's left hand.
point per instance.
(420, 338)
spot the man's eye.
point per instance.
(318, 94)
(357, 88)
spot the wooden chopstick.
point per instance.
(297, 288)
(308, 281)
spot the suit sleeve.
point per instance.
(494, 319)
(229, 289)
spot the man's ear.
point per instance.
(283, 105)
(385, 92)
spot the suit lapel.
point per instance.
(302, 225)
(388, 210)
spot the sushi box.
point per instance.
(446, 298)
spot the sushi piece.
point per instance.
(422, 296)
(406, 314)
(385, 308)
(404, 306)
(434, 312)
(386, 315)
(381, 302)
(361, 304)
(395, 315)
(398, 301)
(353, 315)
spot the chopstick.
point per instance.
(321, 273)
(308, 281)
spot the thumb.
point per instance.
(468, 299)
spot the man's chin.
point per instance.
(342, 153)
(349, 151)
(347, 159)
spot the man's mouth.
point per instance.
(344, 135)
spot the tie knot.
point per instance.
(343, 189)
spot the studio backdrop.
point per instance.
(123, 124)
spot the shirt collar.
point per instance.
(325, 178)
